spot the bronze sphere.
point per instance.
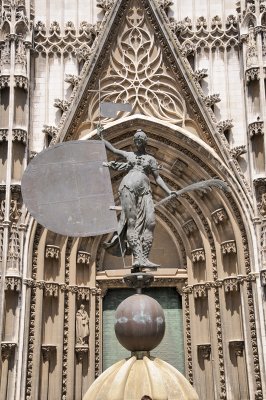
(140, 323)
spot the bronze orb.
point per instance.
(139, 323)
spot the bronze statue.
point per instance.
(137, 220)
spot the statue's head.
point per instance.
(140, 135)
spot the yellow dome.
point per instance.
(131, 379)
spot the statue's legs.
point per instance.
(147, 235)
(128, 203)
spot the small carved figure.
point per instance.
(137, 221)
(82, 325)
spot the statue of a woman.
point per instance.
(82, 325)
(137, 221)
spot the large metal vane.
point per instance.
(68, 191)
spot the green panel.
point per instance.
(171, 349)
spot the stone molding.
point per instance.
(66, 40)
(72, 79)
(228, 247)
(225, 125)
(52, 288)
(230, 283)
(203, 36)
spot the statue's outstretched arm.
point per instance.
(114, 150)
(160, 182)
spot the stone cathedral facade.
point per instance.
(194, 73)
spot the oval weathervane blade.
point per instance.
(68, 191)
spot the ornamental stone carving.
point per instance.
(21, 82)
(231, 284)
(200, 74)
(105, 5)
(51, 289)
(263, 277)
(228, 247)
(3, 135)
(83, 257)
(204, 351)
(252, 74)
(81, 351)
(238, 151)
(252, 53)
(13, 283)
(219, 216)
(6, 349)
(4, 81)
(198, 255)
(52, 251)
(135, 75)
(225, 125)
(212, 99)
(48, 350)
(202, 37)
(262, 205)
(255, 128)
(63, 105)
(200, 290)
(189, 227)
(179, 167)
(64, 41)
(72, 79)
(19, 135)
(237, 346)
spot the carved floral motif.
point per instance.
(252, 74)
(61, 104)
(19, 135)
(231, 284)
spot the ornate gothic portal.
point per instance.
(194, 73)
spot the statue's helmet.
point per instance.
(140, 135)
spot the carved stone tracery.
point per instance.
(137, 66)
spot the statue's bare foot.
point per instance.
(148, 264)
